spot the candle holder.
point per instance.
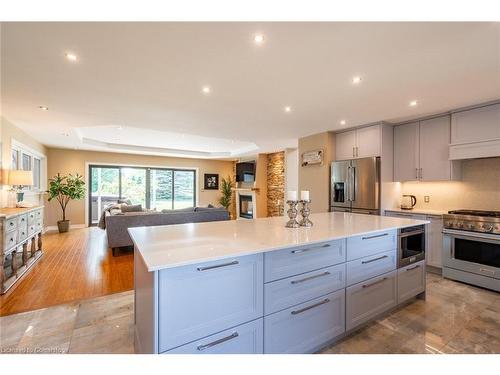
(305, 212)
(292, 214)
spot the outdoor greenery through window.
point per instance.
(153, 188)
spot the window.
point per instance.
(25, 159)
(154, 188)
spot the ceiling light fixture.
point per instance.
(206, 90)
(356, 80)
(44, 108)
(413, 103)
(258, 39)
(71, 56)
(342, 122)
(288, 109)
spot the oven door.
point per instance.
(472, 252)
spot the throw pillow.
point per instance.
(132, 208)
(126, 201)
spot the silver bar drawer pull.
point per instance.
(295, 312)
(217, 342)
(413, 268)
(375, 283)
(217, 266)
(374, 260)
(298, 251)
(376, 236)
(309, 278)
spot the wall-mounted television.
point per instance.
(245, 171)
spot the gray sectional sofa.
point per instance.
(117, 223)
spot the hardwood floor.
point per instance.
(75, 265)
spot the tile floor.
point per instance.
(455, 318)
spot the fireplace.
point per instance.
(246, 206)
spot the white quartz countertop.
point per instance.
(171, 246)
(418, 211)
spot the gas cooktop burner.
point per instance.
(476, 213)
(473, 221)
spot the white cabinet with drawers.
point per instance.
(20, 243)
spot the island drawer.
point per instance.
(291, 291)
(247, 338)
(289, 262)
(370, 298)
(199, 300)
(411, 281)
(370, 244)
(365, 268)
(305, 327)
(10, 224)
(22, 221)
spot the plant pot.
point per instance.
(63, 226)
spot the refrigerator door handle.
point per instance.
(352, 194)
(348, 185)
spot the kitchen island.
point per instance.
(254, 286)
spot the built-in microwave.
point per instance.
(411, 245)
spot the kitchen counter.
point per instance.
(177, 245)
(418, 211)
(255, 286)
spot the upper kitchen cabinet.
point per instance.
(359, 143)
(421, 151)
(406, 152)
(475, 133)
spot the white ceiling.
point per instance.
(146, 79)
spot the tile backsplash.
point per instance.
(479, 188)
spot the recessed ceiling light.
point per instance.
(206, 90)
(342, 122)
(258, 39)
(356, 80)
(288, 109)
(71, 56)
(44, 108)
(413, 103)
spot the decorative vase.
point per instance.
(63, 226)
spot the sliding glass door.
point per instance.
(153, 188)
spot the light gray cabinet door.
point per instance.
(365, 268)
(370, 298)
(293, 261)
(476, 125)
(281, 294)
(411, 281)
(371, 244)
(247, 338)
(345, 145)
(406, 152)
(305, 327)
(196, 301)
(434, 243)
(434, 149)
(368, 141)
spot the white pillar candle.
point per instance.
(304, 195)
(291, 195)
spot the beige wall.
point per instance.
(315, 178)
(9, 132)
(479, 188)
(73, 161)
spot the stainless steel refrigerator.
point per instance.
(355, 186)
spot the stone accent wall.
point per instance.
(275, 183)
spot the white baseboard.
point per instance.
(72, 226)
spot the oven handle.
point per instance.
(475, 236)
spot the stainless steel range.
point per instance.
(471, 247)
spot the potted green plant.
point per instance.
(227, 192)
(64, 189)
